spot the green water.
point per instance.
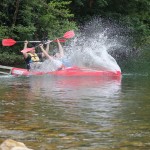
(53, 113)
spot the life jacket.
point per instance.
(34, 57)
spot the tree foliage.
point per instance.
(134, 14)
(38, 19)
(35, 19)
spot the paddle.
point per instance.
(67, 35)
(11, 42)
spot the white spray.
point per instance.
(90, 48)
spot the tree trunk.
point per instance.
(91, 3)
(16, 12)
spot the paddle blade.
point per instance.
(69, 34)
(8, 42)
(60, 40)
(27, 50)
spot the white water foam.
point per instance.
(47, 66)
(91, 47)
(93, 54)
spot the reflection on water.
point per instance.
(47, 112)
(74, 87)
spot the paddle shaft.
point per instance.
(28, 41)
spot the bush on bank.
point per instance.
(11, 59)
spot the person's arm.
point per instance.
(25, 46)
(61, 50)
(47, 48)
(45, 52)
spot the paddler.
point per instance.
(60, 56)
(58, 61)
(33, 60)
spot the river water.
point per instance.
(74, 113)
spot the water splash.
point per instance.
(47, 66)
(93, 45)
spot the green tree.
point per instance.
(35, 19)
(133, 14)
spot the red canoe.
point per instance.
(72, 71)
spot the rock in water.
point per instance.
(13, 145)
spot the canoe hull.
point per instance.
(72, 71)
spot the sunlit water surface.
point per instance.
(47, 112)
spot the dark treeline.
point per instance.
(40, 19)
